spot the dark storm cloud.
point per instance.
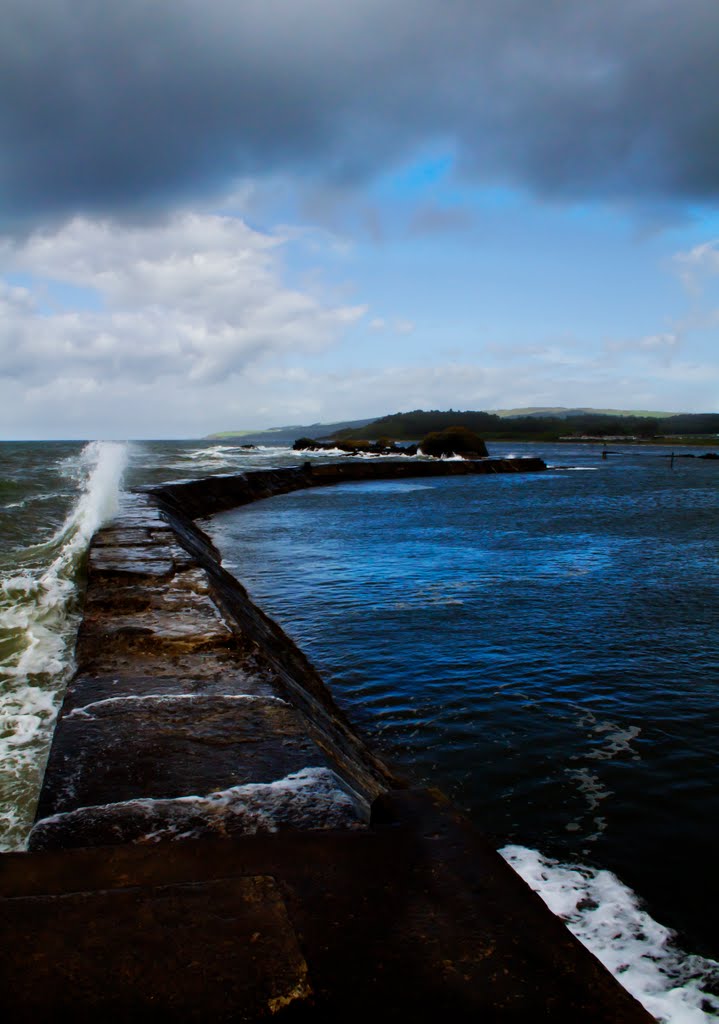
(113, 105)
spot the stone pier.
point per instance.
(215, 842)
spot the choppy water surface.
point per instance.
(543, 647)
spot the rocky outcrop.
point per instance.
(454, 441)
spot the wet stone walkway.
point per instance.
(215, 842)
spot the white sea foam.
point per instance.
(389, 455)
(321, 453)
(39, 616)
(310, 799)
(607, 917)
(594, 791)
(218, 453)
(89, 710)
(32, 499)
(609, 741)
(340, 452)
(619, 740)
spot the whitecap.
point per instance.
(608, 918)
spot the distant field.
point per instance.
(562, 411)
(229, 433)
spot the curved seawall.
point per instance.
(214, 840)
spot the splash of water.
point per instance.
(607, 917)
(39, 606)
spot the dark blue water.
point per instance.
(543, 647)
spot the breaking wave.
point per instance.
(38, 601)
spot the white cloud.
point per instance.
(666, 342)
(399, 325)
(197, 298)
(186, 326)
(269, 393)
(403, 326)
(698, 263)
(663, 346)
(596, 382)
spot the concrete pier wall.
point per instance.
(215, 841)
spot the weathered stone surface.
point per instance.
(113, 537)
(128, 656)
(172, 745)
(198, 618)
(129, 562)
(210, 679)
(131, 623)
(194, 951)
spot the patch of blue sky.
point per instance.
(52, 297)
(703, 220)
(517, 274)
(17, 279)
(414, 178)
(433, 178)
(531, 270)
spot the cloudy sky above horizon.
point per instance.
(244, 213)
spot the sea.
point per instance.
(542, 647)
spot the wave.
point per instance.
(38, 601)
(607, 917)
(340, 452)
(218, 451)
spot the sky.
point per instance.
(237, 214)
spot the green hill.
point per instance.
(534, 423)
(539, 425)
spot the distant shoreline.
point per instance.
(708, 443)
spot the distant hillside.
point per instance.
(289, 434)
(533, 423)
(536, 425)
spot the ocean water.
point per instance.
(542, 647)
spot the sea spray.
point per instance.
(39, 606)
(607, 917)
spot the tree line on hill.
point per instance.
(410, 426)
